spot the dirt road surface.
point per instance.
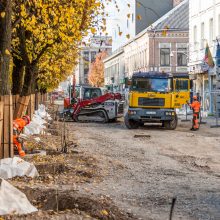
(144, 169)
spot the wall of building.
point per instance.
(177, 45)
(115, 71)
(204, 28)
(122, 25)
(137, 55)
(201, 29)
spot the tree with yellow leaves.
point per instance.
(46, 26)
(96, 72)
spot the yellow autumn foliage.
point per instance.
(47, 34)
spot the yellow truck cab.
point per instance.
(154, 96)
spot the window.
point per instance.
(182, 85)
(165, 57)
(210, 31)
(127, 23)
(202, 35)
(86, 55)
(92, 93)
(182, 57)
(218, 25)
(195, 36)
(132, 17)
(151, 84)
(93, 55)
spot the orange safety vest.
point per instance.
(195, 106)
(19, 124)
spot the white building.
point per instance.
(204, 25)
(88, 54)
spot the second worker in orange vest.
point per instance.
(18, 126)
(195, 105)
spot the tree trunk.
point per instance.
(5, 45)
(34, 83)
(29, 79)
(17, 76)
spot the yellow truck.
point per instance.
(154, 96)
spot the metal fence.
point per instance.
(212, 98)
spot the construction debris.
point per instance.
(13, 201)
(12, 167)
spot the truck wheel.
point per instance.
(129, 123)
(171, 125)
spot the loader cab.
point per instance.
(91, 93)
(87, 92)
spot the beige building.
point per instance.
(161, 47)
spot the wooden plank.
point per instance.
(7, 140)
(36, 101)
(22, 106)
(15, 99)
(28, 112)
(32, 105)
(1, 127)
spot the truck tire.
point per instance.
(129, 123)
(171, 125)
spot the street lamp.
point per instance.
(181, 52)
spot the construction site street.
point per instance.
(144, 169)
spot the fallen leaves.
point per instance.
(3, 14)
(104, 212)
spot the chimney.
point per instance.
(176, 2)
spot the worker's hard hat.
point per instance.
(27, 119)
(195, 97)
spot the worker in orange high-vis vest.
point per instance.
(18, 126)
(195, 105)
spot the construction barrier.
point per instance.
(22, 106)
(7, 148)
(15, 99)
(1, 119)
(216, 107)
(31, 106)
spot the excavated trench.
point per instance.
(62, 200)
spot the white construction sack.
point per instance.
(13, 201)
(12, 167)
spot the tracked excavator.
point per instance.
(90, 105)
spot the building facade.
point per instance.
(136, 16)
(204, 29)
(161, 47)
(88, 54)
(115, 71)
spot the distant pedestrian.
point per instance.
(195, 105)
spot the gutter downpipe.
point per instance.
(154, 35)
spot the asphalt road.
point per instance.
(144, 169)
